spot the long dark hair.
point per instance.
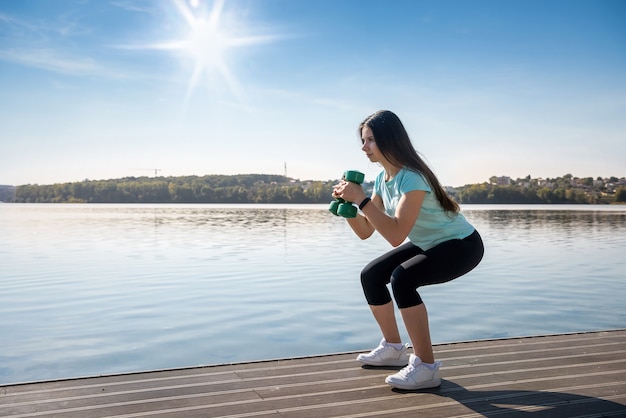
(394, 143)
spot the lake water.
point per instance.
(98, 289)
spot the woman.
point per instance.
(407, 202)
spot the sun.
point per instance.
(207, 43)
(209, 37)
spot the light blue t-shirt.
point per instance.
(433, 225)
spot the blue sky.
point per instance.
(107, 89)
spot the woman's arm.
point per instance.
(360, 225)
(394, 229)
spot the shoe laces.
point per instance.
(379, 349)
(410, 369)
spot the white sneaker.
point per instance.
(415, 376)
(385, 355)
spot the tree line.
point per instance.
(266, 188)
(244, 188)
(560, 190)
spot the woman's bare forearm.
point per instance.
(361, 226)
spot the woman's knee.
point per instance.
(370, 282)
(374, 275)
(400, 279)
(404, 289)
(375, 287)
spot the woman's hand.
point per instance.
(352, 192)
(348, 191)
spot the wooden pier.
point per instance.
(570, 375)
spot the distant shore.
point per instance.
(266, 188)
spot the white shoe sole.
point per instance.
(405, 386)
(394, 363)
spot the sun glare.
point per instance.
(208, 37)
(208, 41)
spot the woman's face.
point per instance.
(369, 145)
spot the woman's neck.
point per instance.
(390, 171)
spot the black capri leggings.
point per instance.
(408, 267)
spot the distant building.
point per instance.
(503, 181)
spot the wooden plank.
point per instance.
(581, 374)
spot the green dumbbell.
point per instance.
(341, 207)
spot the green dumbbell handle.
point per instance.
(340, 207)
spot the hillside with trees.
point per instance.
(243, 188)
(560, 190)
(266, 188)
